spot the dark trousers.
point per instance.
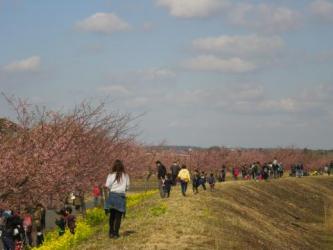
(183, 186)
(174, 180)
(8, 243)
(160, 187)
(114, 222)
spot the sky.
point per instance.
(244, 73)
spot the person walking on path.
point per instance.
(330, 168)
(167, 183)
(118, 183)
(175, 168)
(184, 177)
(195, 181)
(211, 181)
(223, 173)
(161, 172)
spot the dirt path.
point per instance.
(282, 214)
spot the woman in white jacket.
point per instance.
(118, 183)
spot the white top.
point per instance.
(117, 187)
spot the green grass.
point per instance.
(289, 213)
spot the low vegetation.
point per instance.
(87, 227)
(287, 213)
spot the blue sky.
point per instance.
(204, 72)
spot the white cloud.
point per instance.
(240, 45)
(264, 18)
(115, 90)
(31, 64)
(192, 8)
(105, 23)
(323, 9)
(213, 63)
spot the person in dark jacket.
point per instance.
(203, 180)
(13, 232)
(167, 183)
(265, 171)
(61, 221)
(175, 168)
(211, 181)
(195, 181)
(330, 168)
(161, 172)
(223, 173)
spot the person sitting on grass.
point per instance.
(184, 177)
(211, 181)
(167, 183)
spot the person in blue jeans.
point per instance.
(184, 177)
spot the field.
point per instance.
(288, 213)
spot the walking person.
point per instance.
(8, 231)
(161, 172)
(195, 181)
(330, 168)
(223, 173)
(167, 183)
(118, 183)
(265, 171)
(203, 180)
(184, 177)
(211, 181)
(175, 168)
(27, 226)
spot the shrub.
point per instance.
(95, 216)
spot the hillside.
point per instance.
(281, 214)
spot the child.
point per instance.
(195, 181)
(96, 192)
(40, 236)
(70, 220)
(211, 181)
(203, 179)
(167, 183)
(60, 222)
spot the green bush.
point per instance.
(67, 241)
(95, 216)
(135, 199)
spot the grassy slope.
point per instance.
(280, 214)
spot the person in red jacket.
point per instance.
(96, 192)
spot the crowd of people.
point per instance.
(255, 171)
(19, 229)
(26, 228)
